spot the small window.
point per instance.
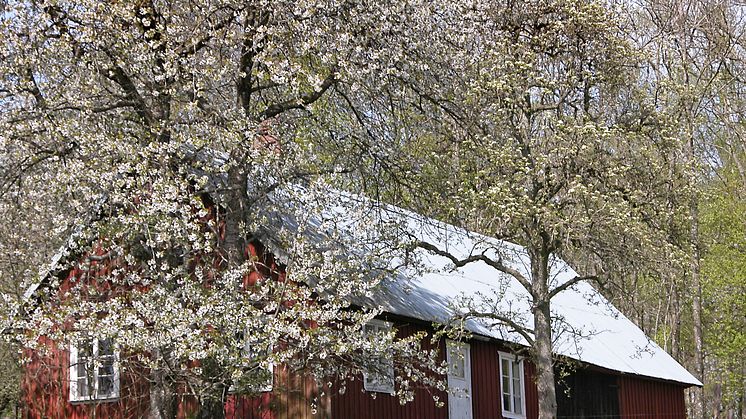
(456, 360)
(379, 377)
(94, 373)
(511, 374)
(254, 356)
(259, 373)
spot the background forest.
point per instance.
(669, 71)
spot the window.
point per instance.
(254, 355)
(94, 373)
(257, 378)
(379, 377)
(511, 374)
(456, 354)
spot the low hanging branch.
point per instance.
(527, 333)
(570, 283)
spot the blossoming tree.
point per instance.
(181, 139)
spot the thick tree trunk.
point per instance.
(212, 405)
(234, 241)
(542, 348)
(163, 402)
(543, 361)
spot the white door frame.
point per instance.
(459, 380)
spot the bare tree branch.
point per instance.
(496, 264)
(119, 76)
(570, 283)
(521, 330)
(301, 102)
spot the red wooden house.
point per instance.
(618, 371)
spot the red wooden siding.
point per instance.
(645, 399)
(358, 404)
(292, 397)
(45, 391)
(485, 382)
(532, 393)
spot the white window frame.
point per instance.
(377, 382)
(75, 395)
(510, 411)
(250, 354)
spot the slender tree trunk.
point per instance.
(699, 402)
(542, 350)
(699, 364)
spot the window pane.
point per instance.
(85, 349)
(106, 369)
(82, 387)
(506, 402)
(105, 347)
(82, 370)
(105, 386)
(516, 370)
(518, 405)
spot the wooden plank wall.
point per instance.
(646, 399)
(358, 404)
(45, 391)
(486, 383)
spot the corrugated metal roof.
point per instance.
(587, 327)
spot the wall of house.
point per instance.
(647, 399)
(293, 396)
(45, 394)
(45, 391)
(360, 404)
(485, 375)
(587, 393)
(45, 386)
(486, 382)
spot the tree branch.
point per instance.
(300, 103)
(119, 76)
(521, 330)
(496, 264)
(570, 283)
(35, 91)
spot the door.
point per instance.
(459, 380)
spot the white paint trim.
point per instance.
(389, 384)
(519, 360)
(74, 395)
(456, 397)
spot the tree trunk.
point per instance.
(542, 348)
(543, 362)
(236, 205)
(699, 402)
(212, 404)
(163, 402)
